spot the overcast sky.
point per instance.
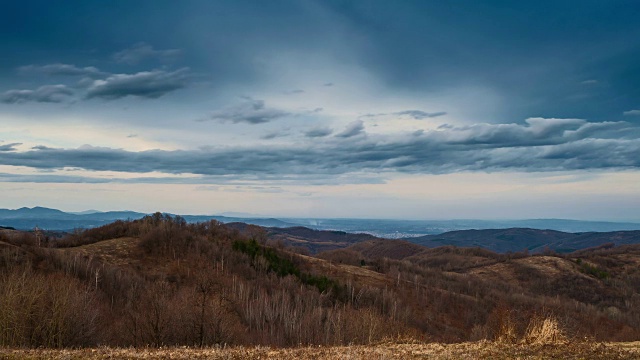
(363, 109)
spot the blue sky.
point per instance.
(407, 109)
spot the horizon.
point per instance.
(267, 216)
(324, 109)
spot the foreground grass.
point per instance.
(477, 350)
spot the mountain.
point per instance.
(30, 213)
(266, 222)
(85, 212)
(300, 237)
(52, 219)
(497, 240)
(519, 239)
(397, 229)
(318, 235)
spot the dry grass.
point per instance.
(120, 252)
(7, 245)
(344, 273)
(11, 234)
(550, 266)
(544, 331)
(475, 350)
(547, 267)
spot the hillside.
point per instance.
(498, 240)
(162, 281)
(314, 239)
(306, 239)
(534, 240)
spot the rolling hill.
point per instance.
(162, 281)
(534, 240)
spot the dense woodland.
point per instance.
(161, 281)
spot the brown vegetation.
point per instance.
(386, 350)
(159, 281)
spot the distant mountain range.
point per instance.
(534, 240)
(398, 229)
(326, 234)
(497, 240)
(52, 219)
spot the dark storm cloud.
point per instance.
(419, 114)
(274, 135)
(250, 111)
(565, 145)
(9, 147)
(318, 132)
(147, 84)
(535, 56)
(143, 51)
(41, 147)
(415, 114)
(62, 70)
(47, 178)
(352, 129)
(43, 94)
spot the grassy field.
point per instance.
(474, 350)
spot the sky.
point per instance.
(356, 109)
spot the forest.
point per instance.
(160, 281)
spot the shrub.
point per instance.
(544, 331)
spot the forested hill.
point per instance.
(535, 240)
(313, 240)
(162, 281)
(498, 240)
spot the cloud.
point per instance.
(415, 114)
(419, 114)
(142, 51)
(352, 129)
(294, 92)
(58, 179)
(328, 84)
(273, 135)
(632, 113)
(318, 132)
(536, 146)
(41, 147)
(9, 147)
(147, 84)
(43, 94)
(589, 82)
(62, 69)
(250, 111)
